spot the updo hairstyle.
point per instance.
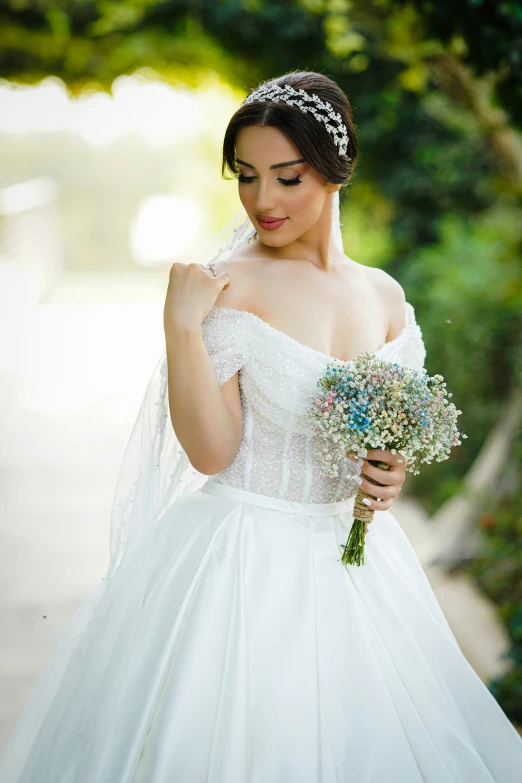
(309, 135)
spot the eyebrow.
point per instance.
(276, 165)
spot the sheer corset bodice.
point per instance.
(277, 378)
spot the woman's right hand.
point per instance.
(191, 294)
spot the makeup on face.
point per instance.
(270, 224)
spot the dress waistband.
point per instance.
(280, 504)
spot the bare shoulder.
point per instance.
(392, 297)
(245, 276)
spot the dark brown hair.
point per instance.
(309, 135)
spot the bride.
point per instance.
(227, 642)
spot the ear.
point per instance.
(332, 188)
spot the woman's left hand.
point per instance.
(392, 479)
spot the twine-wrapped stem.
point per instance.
(353, 553)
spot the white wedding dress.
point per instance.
(256, 656)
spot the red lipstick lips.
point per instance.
(270, 223)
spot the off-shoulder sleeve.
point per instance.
(226, 336)
(413, 348)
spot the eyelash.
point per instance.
(285, 182)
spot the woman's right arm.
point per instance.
(206, 417)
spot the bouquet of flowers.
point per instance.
(374, 404)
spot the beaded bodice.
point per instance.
(277, 379)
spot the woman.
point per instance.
(227, 642)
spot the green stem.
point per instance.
(354, 548)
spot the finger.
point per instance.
(393, 476)
(379, 505)
(384, 455)
(223, 280)
(388, 456)
(378, 492)
(205, 268)
(384, 505)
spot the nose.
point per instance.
(265, 198)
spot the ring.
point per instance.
(211, 268)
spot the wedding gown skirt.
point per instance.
(259, 658)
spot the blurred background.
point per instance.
(112, 116)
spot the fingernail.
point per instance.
(360, 462)
(367, 502)
(399, 460)
(359, 480)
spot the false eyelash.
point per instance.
(290, 182)
(285, 182)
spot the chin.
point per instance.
(281, 237)
(274, 241)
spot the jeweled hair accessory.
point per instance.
(306, 102)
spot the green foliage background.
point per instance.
(436, 88)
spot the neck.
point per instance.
(315, 246)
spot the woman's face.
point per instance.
(294, 192)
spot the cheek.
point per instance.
(302, 202)
(306, 205)
(245, 196)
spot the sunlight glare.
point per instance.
(159, 112)
(163, 228)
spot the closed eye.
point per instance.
(294, 181)
(286, 182)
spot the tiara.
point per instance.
(306, 102)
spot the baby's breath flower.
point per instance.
(374, 404)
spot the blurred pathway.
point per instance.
(73, 372)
